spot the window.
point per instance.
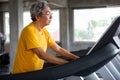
(90, 24)
(7, 26)
(26, 18)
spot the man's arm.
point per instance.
(48, 57)
(64, 52)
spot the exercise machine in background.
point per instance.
(4, 56)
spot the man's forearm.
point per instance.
(66, 53)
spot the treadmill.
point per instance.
(106, 48)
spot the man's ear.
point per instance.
(37, 17)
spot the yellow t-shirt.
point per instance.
(26, 60)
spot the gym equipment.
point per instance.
(107, 47)
(4, 56)
(2, 42)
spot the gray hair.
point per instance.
(36, 8)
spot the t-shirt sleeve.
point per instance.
(31, 39)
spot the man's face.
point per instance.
(46, 16)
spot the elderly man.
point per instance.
(34, 40)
